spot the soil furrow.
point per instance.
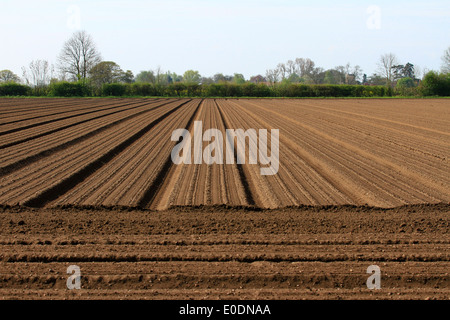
(64, 127)
(66, 108)
(70, 182)
(151, 193)
(243, 174)
(435, 188)
(54, 121)
(62, 143)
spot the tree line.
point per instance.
(81, 71)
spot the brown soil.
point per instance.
(90, 182)
(384, 153)
(225, 252)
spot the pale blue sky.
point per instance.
(243, 36)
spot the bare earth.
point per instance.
(90, 182)
(226, 253)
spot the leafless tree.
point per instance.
(386, 67)
(291, 68)
(357, 72)
(272, 76)
(282, 70)
(78, 56)
(299, 65)
(38, 74)
(446, 61)
(348, 74)
(160, 78)
(305, 67)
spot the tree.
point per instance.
(8, 76)
(294, 78)
(364, 80)
(106, 72)
(316, 76)
(304, 67)
(408, 71)
(282, 70)
(398, 71)
(405, 82)
(291, 68)
(78, 56)
(331, 77)
(175, 77)
(146, 77)
(357, 71)
(340, 74)
(272, 76)
(377, 80)
(160, 76)
(128, 77)
(446, 61)
(435, 84)
(404, 71)
(206, 80)
(238, 78)
(163, 79)
(38, 73)
(348, 74)
(191, 77)
(386, 67)
(306, 70)
(219, 77)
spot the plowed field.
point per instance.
(91, 182)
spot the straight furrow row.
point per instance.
(63, 170)
(133, 174)
(23, 132)
(22, 119)
(24, 154)
(370, 172)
